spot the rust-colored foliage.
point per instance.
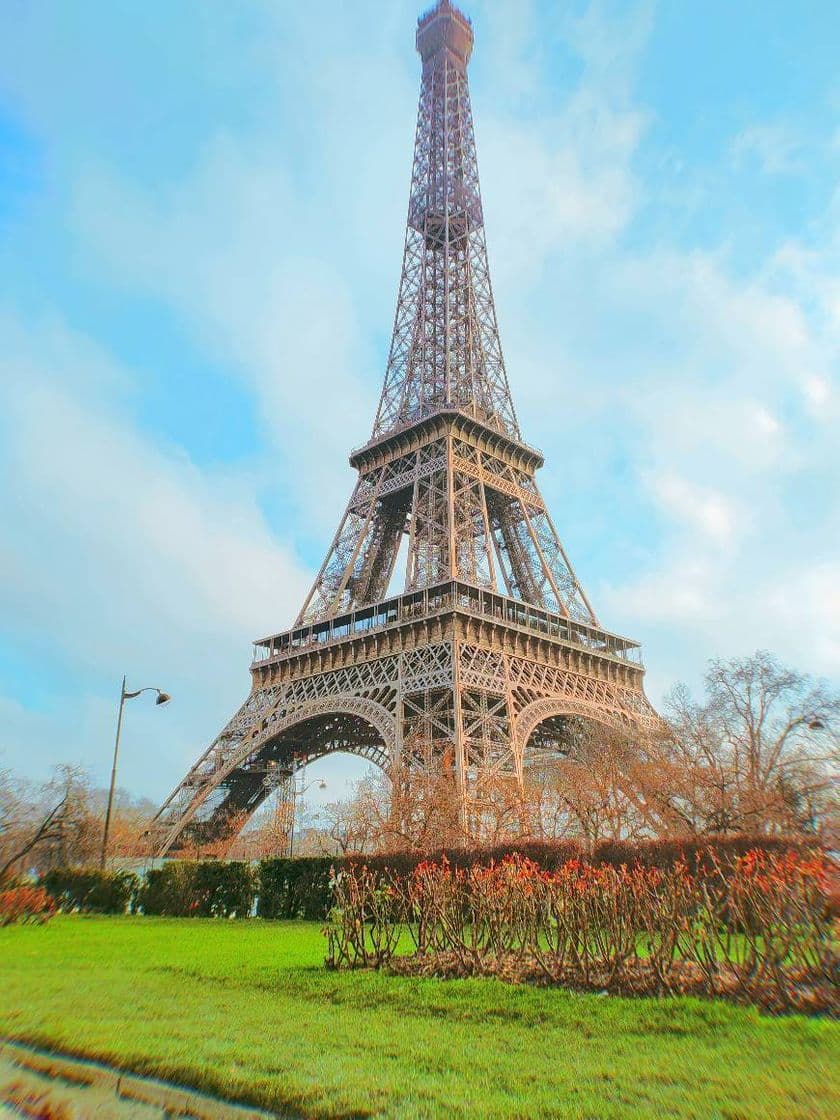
(756, 927)
(25, 904)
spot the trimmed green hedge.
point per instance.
(89, 890)
(200, 889)
(282, 888)
(549, 854)
(294, 888)
(300, 888)
(698, 851)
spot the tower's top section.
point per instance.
(445, 351)
(445, 27)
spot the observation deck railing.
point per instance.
(444, 599)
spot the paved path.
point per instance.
(33, 1080)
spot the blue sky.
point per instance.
(201, 218)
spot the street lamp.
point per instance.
(161, 699)
(296, 793)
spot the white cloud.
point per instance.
(817, 391)
(719, 390)
(564, 176)
(765, 422)
(809, 605)
(119, 554)
(684, 594)
(228, 249)
(778, 148)
(548, 190)
(712, 514)
(751, 509)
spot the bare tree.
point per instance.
(590, 787)
(48, 825)
(759, 754)
(414, 811)
(268, 834)
(217, 843)
(353, 825)
(59, 823)
(423, 812)
(79, 825)
(24, 826)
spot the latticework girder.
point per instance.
(445, 350)
(492, 633)
(469, 514)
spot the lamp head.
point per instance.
(162, 698)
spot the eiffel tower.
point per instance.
(488, 652)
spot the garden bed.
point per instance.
(757, 929)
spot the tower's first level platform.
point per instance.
(436, 603)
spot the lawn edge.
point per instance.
(175, 1099)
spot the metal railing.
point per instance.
(443, 599)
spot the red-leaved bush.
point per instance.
(25, 904)
(756, 927)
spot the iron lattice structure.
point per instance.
(492, 636)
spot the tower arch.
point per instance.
(287, 741)
(553, 707)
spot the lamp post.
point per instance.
(161, 698)
(296, 793)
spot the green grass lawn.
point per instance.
(246, 1010)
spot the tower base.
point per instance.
(449, 680)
